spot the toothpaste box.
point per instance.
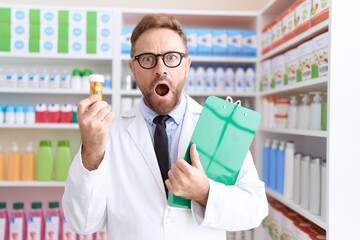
(291, 65)
(305, 56)
(77, 46)
(320, 60)
(125, 39)
(219, 42)
(204, 42)
(192, 40)
(249, 43)
(319, 11)
(235, 42)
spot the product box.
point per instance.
(20, 16)
(276, 33)
(192, 41)
(77, 17)
(104, 18)
(125, 39)
(49, 31)
(302, 16)
(266, 39)
(19, 45)
(291, 65)
(20, 31)
(77, 32)
(104, 33)
(204, 42)
(104, 47)
(320, 61)
(287, 24)
(287, 224)
(319, 11)
(48, 46)
(235, 42)
(249, 43)
(77, 46)
(277, 71)
(219, 47)
(49, 16)
(265, 77)
(305, 56)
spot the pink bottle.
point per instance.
(68, 234)
(53, 224)
(4, 222)
(36, 222)
(40, 113)
(66, 113)
(18, 222)
(53, 113)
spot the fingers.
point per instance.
(85, 104)
(194, 156)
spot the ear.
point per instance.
(131, 66)
(188, 63)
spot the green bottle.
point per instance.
(44, 161)
(62, 160)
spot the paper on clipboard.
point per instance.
(223, 135)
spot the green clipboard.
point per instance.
(223, 135)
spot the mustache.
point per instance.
(161, 78)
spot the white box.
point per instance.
(104, 47)
(287, 24)
(77, 47)
(320, 61)
(77, 17)
(302, 13)
(276, 34)
(204, 41)
(104, 33)
(265, 77)
(19, 45)
(104, 18)
(291, 65)
(20, 31)
(77, 33)
(48, 31)
(219, 39)
(20, 15)
(192, 41)
(278, 70)
(48, 16)
(235, 42)
(319, 10)
(304, 52)
(266, 38)
(48, 45)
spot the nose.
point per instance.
(160, 68)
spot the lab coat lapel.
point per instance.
(139, 132)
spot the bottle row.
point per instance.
(40, 113)
(299, 177)
(221, 78)
(288, 113)
(283, 223)
(39, 224)
(49, 78)
(45, 165)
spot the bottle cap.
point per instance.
(36, 205)
(2, 205)
(45, 143)
(18, 205)
(19, 108)
(9, 108)
(87, 72)
(76, 72)
(63, 143)
(30, 108)
(53, 204)
(96, 78)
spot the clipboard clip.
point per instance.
(237, 102)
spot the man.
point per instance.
(115, 179)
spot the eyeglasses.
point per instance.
(170, 59)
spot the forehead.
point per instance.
(159, 41)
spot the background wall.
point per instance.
(234, 5)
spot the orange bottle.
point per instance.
(2, 165)
(28, 166)
(14, 164)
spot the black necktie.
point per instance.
(161, 146)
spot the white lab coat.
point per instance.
(126, 192)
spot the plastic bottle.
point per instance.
(10, 114)
(65, 79)
(22, 79)
(85, 85)
(324, 115)
(14, 164)
(280, 161)
(41, 113)
(18, 222)
(19, 114)
(271, 105)
(44, 161)
(297, 178)
(304, 112)
(289, 169)
(190, 79)
(229, 79)
(28, 163)
(53, 225)
(54, 79)
(305, 181)
(315, 111)
(323, 196)
(44, 79)
(62, 160)
(107, 81)
(36, 222)
(2, 77)
(74, 113)
(30, 114)
(239, 79)
(53, 113)
(199, 78)
(266, 163)
(33, 79)
(4, 222)
(96, 82)
(250, 79)
(315, 185)
(2, 164)
(10, 78)
(2, 114)
(66, 113)
(219, 78)
(273, 163)
(292, 115)
(209, 78)
(76, 79)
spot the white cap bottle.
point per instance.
(315, 111)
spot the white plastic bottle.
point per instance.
(44, 79)
(19, 114)
(323, 197)
(315, 186)
(65, 79)
(10, 114)
(229, 79)
(2, 77)
(219, 78)
(85, 79)
(190, 80)
(10, 78)
(22, 78)
(239, 79)
(33, 79)
(30, 114)
(209, 78)
(297, 178)
(315, 111)
(250, 79)
(304, 112)
(292, 114)
(199, 78)
(2, 110)
(305, 182)
(54, 79)
(76, 79)
(289, 169)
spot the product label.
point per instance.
(68, 234)
(16, 228)
(2, 228)
(101, 235)
(52, 227)
(34, 228)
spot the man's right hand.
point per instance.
(94, 118)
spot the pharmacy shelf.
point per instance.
(55, 56)
(311, 85)
(297, 208)
(299, 132)
(220, 94)
(50, 91)
(31, 184)
(303, 37)
(54, 126)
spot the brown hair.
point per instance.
(151, 21)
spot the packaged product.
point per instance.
(304, 52)
(319, 11)
(320, 59)
(291, 65)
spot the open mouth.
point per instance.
(162, 89)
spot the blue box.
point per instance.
(125, 40)
(235, 42)
(204, 42)
(249, 43)
(192, 41)
(219, 37)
